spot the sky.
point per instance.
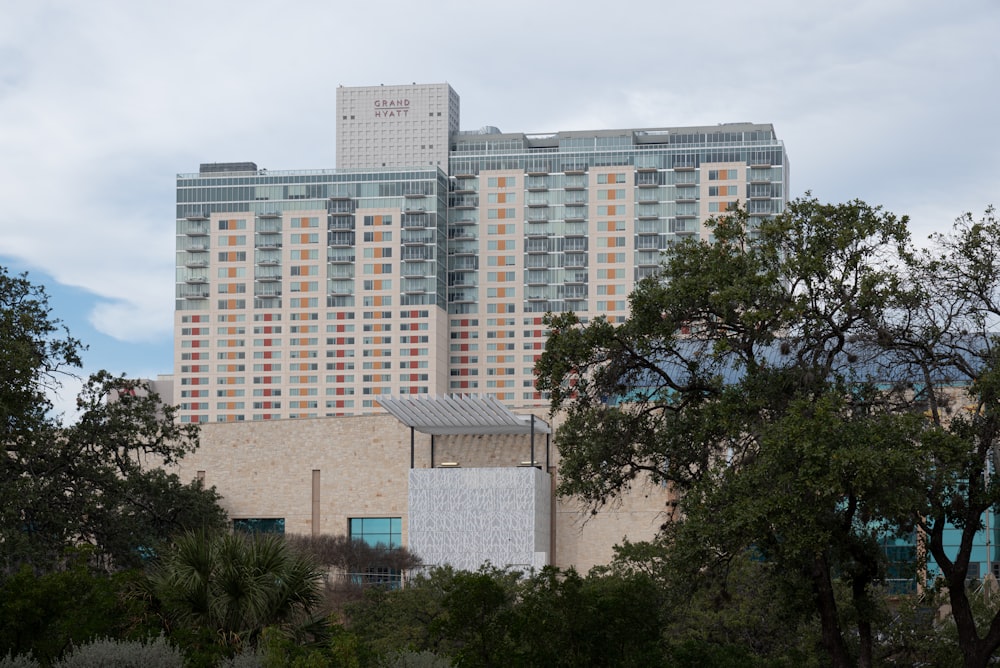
(102, 103)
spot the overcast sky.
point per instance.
(103, 102)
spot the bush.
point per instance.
(44, 614)
(19, 661)
(423, 659)
(108, 653)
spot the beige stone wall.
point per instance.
(265, 470)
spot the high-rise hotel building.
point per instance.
(425, 263)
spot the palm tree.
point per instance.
(235, 585)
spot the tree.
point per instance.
(226, 588)
(750, 377)
(36, 348)
(98, 481)
(944, 336)
(495, 617)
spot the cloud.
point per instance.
(102, 103)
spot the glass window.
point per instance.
(386, 531)
(260, 525)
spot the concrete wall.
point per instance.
(466, 517)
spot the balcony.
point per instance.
(196, 278)
(415, 221)
(193, 228)
(266, 274)
(416, 238)
(196, 261)
(334, 257)
(538, 278)
(193, 244)
(460, 249)
(462, 297)
(267, 241)
(268, 226)
(461, 202)
(340, 224)
(683, 227)
(340, 239)
(267, 290)
(192, 291)
(418, 253)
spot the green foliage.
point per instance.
(423, 659)
(220, 591)
(36, 350)
(97, 481)
(493, 617)
(47, 613)
(781, 380)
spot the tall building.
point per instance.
(395, 126)
(418, 270)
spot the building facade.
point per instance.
(415, 270)
(395, 126)
(459, 499)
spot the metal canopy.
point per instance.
(461, 414)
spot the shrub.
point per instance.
(108, 653)
(425, 659)
(19, 661)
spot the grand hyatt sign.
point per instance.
(392, 108)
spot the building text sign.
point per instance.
(392, 108)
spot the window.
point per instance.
(260, 525)
(386, 531)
